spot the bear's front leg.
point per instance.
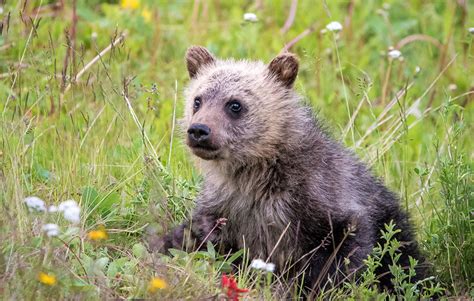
(189, 236)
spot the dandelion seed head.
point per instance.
(250, 17)
(334, 26)
(51, 229)
(35, 203)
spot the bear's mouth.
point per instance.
(205, 152)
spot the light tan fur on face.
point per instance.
(267, 96)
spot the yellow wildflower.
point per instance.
(146, 14)
(130, 4)
(99, 234)
(156, 284)
(47, 279)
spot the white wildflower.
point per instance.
(334, 26)
(250, 17)
(53, 209)
(471, 30)
(71, 211)
(259, 264)
(417, 69)
(73, 214)
(35, 203)
(452, 87)
(67, 204)
(94, 35)
(270, 267)
(51, 229)
(394, 54)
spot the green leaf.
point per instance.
(101, 263)
(90, 197)
(96, 202)
(139, 250)
(211, 250)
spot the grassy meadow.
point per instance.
(91, 93)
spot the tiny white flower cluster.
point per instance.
(394, 54)
(452, 87)
(51, 229)
(334, 26)
(471, 30)
(70, 210)
(35, 204)
(250, 17)
(259, 264)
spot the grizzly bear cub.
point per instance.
(274, 182)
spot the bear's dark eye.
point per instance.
(197, 103)
(234, 106)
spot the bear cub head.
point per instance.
(239, 110)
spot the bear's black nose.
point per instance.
(199, 133)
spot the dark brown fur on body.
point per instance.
(289, 193)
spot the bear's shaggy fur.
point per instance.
(288, 192)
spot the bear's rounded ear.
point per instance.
(196, 57)
(284, 68)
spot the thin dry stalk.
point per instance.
(30, 35)
(386, 81)
(118, 40)
(173, 122)
(299, 37)
(291, 17)
(387, 139)
(278, 242)
(380, 119)
(416, 38)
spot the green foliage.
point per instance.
(104, 130)
(365, 288)
(450, 233)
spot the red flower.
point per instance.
(233, 291)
